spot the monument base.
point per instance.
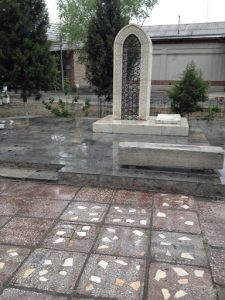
(151, 127)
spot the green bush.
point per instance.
(59, 109)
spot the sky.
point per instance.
(167, 11)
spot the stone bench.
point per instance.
(170, 156)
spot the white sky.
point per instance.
(167, 11)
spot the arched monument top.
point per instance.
(132, 29)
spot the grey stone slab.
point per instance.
(113, 277)
(50, 270)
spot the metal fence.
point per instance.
(213, 108)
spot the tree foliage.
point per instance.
(102, 30)
(25, 59)
(76, 14)
(190, 90)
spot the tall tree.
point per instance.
(102, 30)
(25, 60)
(76, 15)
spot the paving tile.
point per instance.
(23, 189)
(13, 294)
(3, 220)
(178, 248)
(71, 237)
(43, 208)
(114, 277)
(176, 220)
(212, 211)
(129, 216)
(213, 233)
(57, 192)
(136, 198)
(95, 195)
(24, 231)
(10, 259)
(85, 212)
(122, 241)
(179, 282)
(11, 205)
(165, 201)
(221, 293)
(5, 184)
(217, 263)
(50, 270)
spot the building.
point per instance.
(174, 46)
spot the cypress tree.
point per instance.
(102, 30)
(25, 60)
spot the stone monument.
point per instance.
(132, 89)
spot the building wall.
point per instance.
(79, 79)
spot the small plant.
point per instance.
(67, 87)
(73, 104)
(211, 113)
(86, 107)
(59, 109)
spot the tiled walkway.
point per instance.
(63, 242)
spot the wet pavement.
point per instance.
(67, 242)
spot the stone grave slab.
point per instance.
(168, 281)
(129, 216)
(95, 195)
(50, 270)
(71, 237)
(133, 198)
(24, 231)
(123, 241)
(113, 277)
(178, 248)
(168, 119)
(176, 220)
(174, 201)
(85, 212)
(10, 259)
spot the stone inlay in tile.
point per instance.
(24, 231)
(212, 211)
(177, 247)
(179, 282)
(76, 237)
(125, 215)
(11, 205)
(217, 263)
(163, 201)
(69, 262)
(80, 211)
(13, 294)
(119, 281)
(95, 195)
(43, 208)
(123, 241)
(214, 233)
(176, 220)
(8, 262)
(133, 198)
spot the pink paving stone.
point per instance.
(95, 195)
(123, 241)
(164, 201)
(193, 283)
(3, 220)
(178, 248)
(71, 237)
(24, 231)
(10, 258)
(217, 263)
(176, 220)
(48, 266)
(85, 212)
(214, 233)
(117, 278)
(11, 205)
(4, 185)
(212, 211)
(43, 208)
(221, 293)
(23, 189)
(129, 216)
(133, 198)
(15, 294)
(57, 192)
